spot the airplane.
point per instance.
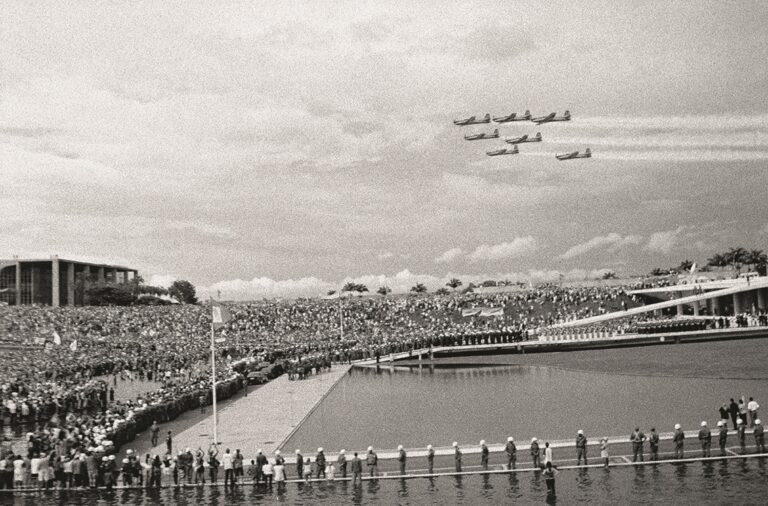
(504, 151)
(552, 117)
(513, 117)
(574, 155)
(524, 138)
(472, 121)
(477, 137)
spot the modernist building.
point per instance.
(54, 281)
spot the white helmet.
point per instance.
(757, 421)
(510, 439)
(429, 447)
(277, 452)
(297, 451)
(370, 448)
(580, 432)
(703, 424)
(482, 442)
(739, 421)
(319, 449)
(677, 426)
(342, 452)
(455, 444)
(720, 423)
(399, 447)
(533, 439)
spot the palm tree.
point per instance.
(758, 260)
(383, 290)
(454, 283)
(717, 260)
(736, 257)
(442, 291)
(419, 288)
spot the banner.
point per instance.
(56, 338)
(40, 341)
(73, 345)
(492, 311)
(470, 311)
(220, 314)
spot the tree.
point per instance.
(685, 266)
(736, 257)
(354, 287)
(383, 290)
(442, 291)
(488, 282)
(348, 287)
(658, 271)
(419, 288)
(717, 260)
(758, 260)
(110, 294)
(609, 275)
(454, 283)
(331, 292)
(183, 291)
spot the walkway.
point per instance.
(260, 421)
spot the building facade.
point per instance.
(54, 281)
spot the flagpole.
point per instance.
(213, 384)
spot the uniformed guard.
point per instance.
(483, 455)
(654, 444)
(637, 438)
(705, 438)
(581, 447)
(741, 429)
(299, 464)
(535, 453)
(430, 459)
(511, 451)
(759, 436)
(722, 436)
(457, 456)
(401, 458)
(341, 460)
(678, 438)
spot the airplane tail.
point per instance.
(527, 114)
(496, 132)
(588, 152)
(567, 114)
(487, 116)
(538, 135)
(515, 150)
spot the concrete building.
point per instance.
(54, 281)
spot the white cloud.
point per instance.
(663, 242)
(518, 246)
(449, 256)
(385, 255)
(613, 240)
(164, 280)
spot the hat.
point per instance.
(298, 451)
(482, 442)
(399, 447)
(703, 424)
(677, 426)
(455, 444)
(533, 439)
(757, 421)
(320, 449)
(111, 457)
(125, 461)
(104, 459)
(342, 452)
(370, 448)
(259, 451)
(720, 423)
(739, 421)
(277, 452)
(429, 447)
(580, 432)
(129, 452)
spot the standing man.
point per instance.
(637, 438)
(401, 458)
(430, 459)
(483, 455)
(342, 461)
(511, 451)
(457, 456)
(535, 453)
(372, 461)
(549, 476)
(237, 464)
(261, 461)
(654, 444)
(722, 436)
(705, 438)
(759, 437)
(155, 430)
(733, 408)
(320, 461)
(357, 469)
(299, 464)
(581, 447)
(229, 470)
(741, 429)
(169, 444)
(678, 438)
(752, 407)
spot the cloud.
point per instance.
(449, 256)
(164, 280)
(518, 246)
(663, 242)
(613, 240)
(385, 255)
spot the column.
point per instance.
(18, 283)
(696, 308)
(70, 284)
(101, 274)
(761, 298)
(717, 308)
(33, 275)
(737, 303)
(680, 308)
(55, 296)
(114, 275)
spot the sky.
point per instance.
(268, 149)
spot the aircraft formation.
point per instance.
(515, 141)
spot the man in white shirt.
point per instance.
(227, 462)
(752, 407)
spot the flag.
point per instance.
(492, 311)
(40, 341)
(73, 345)
(693, 268)
(56, 338)
(220, 314)
(470, 312)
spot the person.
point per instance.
(199, 466)
(743, 410)
(741, 429)
(341, 460)
(678, 438)
(722, 437)
(201, 401)
(227, 463)
(759, 437)
(430, 459)
(752, 407)
(511, 451)
(19, 469)
(252, 471)
(157, 472)
(550, 472)
(267, 471)
(705, 438)
(154, 430)
(603, 451)
(581, 447)
(733, 408)
(320, 461)
(330, 470)
(357, 469)
(237, 465)
(213, 462)
(279, 473)
(299, 464)
(535, 453)
(483, 455)
(547, 453)
(372, 461)
(169, 443)
(637, 438)
(724, 411)
(457, 456)
(261, 459)
(653, 443)
(401, 458)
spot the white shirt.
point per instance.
(226, 461)
(753, 406)
(34, 466)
